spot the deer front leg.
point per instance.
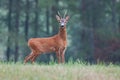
(62, 56)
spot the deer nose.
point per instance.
(62, 24)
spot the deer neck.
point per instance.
(62, 33)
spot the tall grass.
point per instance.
(53, 71)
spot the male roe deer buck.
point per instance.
(56, 43)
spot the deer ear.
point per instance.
(67, 18)
(57, 17)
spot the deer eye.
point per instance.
(65, 22)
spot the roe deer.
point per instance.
(56, 43)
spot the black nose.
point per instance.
(62, 26)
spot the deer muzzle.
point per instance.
(62, 24)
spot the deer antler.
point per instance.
(65, 14)
(59, 13)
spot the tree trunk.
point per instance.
(36, 19)
(47, 27)
(55, 26)
(119, 24)
(54, 21)
(27, 19)
(89, 20)
(17, 10)
(9, 30)
(94, 25)
(54, 9)
(114, 20)
(47, 21)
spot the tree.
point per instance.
(27, 19)
(47, 20)
(36, 18)
(9, 30)
(17, 10)
(54, 9)
(114, 16)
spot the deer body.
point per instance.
(56, 43)
(50, 44)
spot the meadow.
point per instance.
(68, 71)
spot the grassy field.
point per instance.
(77, 71)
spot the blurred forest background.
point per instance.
(93, 29)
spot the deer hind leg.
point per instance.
(58, 56)
(62, 58)
(28, 57)
(33, 58)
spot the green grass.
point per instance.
(69, 71)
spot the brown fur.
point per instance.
(56, 43)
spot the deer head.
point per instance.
(62, 20)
